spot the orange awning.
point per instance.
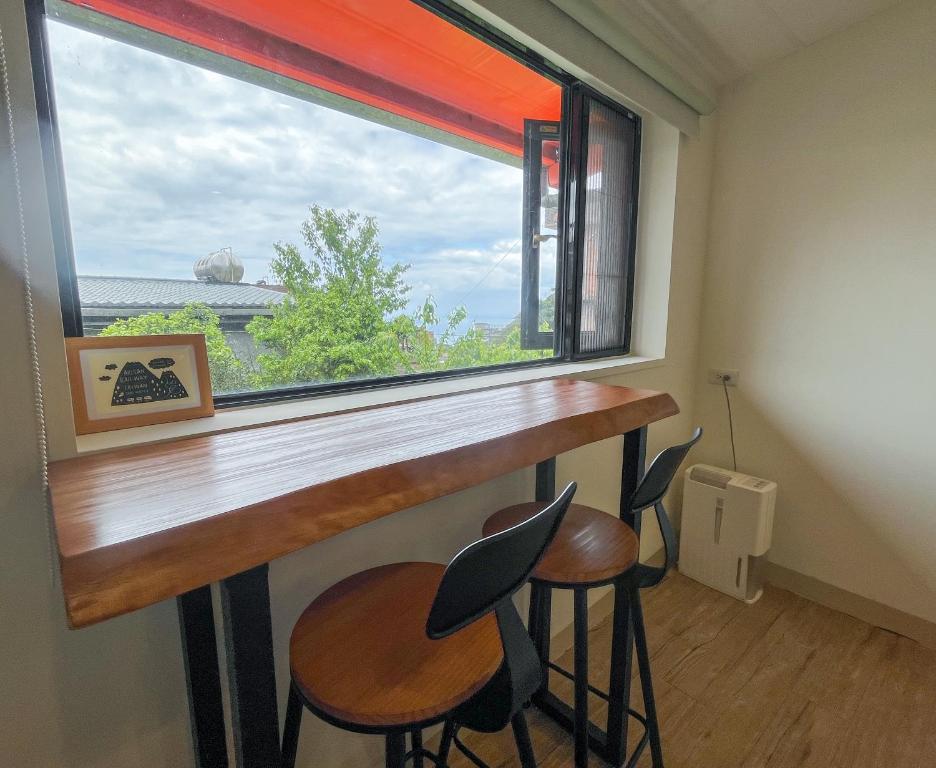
(390, 54)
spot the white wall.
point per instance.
(819, 287)
(113, 694)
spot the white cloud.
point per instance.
(166, 162)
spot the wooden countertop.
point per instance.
(142, 524)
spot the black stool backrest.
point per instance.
(659, 476)
(490, 571)
(650, 493)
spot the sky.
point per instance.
(166, 162)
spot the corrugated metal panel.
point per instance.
(155, 292)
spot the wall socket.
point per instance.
(728, 375)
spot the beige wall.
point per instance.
(113, 694)
(819, 287)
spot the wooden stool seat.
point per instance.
(591, 546)
(359, 654)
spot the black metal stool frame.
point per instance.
(507, 559)
(628, 629)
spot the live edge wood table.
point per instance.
(143, 524)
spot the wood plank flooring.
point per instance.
(785, 683)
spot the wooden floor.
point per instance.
(782, 683)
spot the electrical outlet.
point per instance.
(728, 375)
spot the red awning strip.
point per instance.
(389, 54)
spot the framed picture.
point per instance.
(130, 381)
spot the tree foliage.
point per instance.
(228, 374)
(343, 317)
(339, 319)
(475, 349)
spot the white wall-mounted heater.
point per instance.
(727, 524)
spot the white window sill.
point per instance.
(247, 416)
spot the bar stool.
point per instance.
(400, 647)
(594, 549)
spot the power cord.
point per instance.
(734, 458)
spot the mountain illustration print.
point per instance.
(137, 384)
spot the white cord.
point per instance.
(38, 404)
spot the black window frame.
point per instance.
(531, 337)
(582, 97)
(571, 203)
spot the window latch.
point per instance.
(538, 238)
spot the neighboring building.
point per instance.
(106, 299)
(492, 334)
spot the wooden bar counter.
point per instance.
(138, 525)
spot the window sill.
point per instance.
(231, 419)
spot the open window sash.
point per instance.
(605, 217)
(541, 214)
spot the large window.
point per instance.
(336, 194)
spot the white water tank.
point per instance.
(219, 267)
(727, 525)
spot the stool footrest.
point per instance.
(463, 748)
(554, 707)
(568, 675)
(432, 756)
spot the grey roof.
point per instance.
(146, 292)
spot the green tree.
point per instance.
(474, 349)
(228, 374)
(343, 316)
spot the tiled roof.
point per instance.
(145, 292)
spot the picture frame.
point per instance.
(118, 382)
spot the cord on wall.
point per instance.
(38, 404)
(734, 458)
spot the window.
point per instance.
(607, 211)
(337, 194)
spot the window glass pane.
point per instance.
(606, 230)
(541, 225)
(316, 233)
(548, 235)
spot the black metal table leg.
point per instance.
(248, 629)
(202, 678)
(633, 466)
(646, 679)
(540, 594)
(546, 480)
(632, 472)
(620, 677)
(580, 649)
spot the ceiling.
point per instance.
(694, 47)
(732, 38)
